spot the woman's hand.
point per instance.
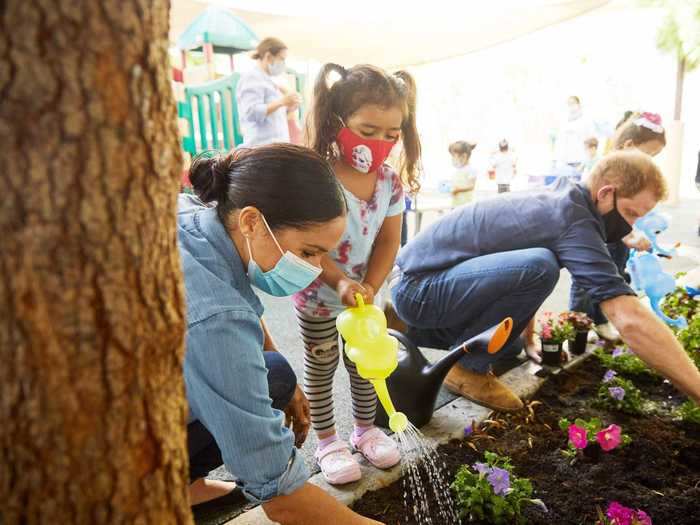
(297, 416)
(291, 100)
(347, 288)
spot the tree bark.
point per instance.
(92, 408)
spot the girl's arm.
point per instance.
(386, 246)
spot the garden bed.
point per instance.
(658, 472)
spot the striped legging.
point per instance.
(321, 356)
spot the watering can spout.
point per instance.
(490, 340)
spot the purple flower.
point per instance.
(482, 468)
(609, 376)
(499, 479)
(620, 350)
(617, 392)
(468, 430)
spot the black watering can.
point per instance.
(415, 384)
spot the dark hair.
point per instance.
(591, 142)
(637, 133)
(461, 147)
(291, 185)
(503, 145)
(358, 86)
(625, 117)
(268, 45)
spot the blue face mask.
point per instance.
(290, 275)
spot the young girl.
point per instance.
(355, 123)
(464, 176)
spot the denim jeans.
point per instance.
(204, 454)
(579, 301)
(445, 308)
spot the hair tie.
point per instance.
(650, 121)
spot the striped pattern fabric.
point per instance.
(321, 357)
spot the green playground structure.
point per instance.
(211, 113)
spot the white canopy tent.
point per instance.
(389, 34)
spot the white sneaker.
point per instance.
(608, 332)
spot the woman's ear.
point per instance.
(249, 221)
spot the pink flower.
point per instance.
(546, 332)
(609, 438)
(619, 514)
(578, 437)
(642, 518)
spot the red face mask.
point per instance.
(363, 154)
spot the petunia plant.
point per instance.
(620, 394)
(582, 433)
(618, 514)
(490, 491)
(579, 320)
(689, 412)
(624, 362)
(555, 329)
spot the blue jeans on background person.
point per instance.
(203, 451)
(445, 308)
(579, 301)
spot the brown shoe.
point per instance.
(484, 389)
(393, 320)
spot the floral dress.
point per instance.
(365, 218)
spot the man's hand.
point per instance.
(533, 351)
(297, 416)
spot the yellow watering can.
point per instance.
(373, 351)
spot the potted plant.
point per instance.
(582, 324)
(553, 332)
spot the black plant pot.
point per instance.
(578, 346)
(551, 353)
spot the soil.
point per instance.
(659, 472)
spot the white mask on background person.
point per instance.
(277, 68)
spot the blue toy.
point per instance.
(648, 275)
(651, 225)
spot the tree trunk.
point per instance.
(680, 75)
(92, 409)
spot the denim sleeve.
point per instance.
(227, 390)
(581, 250)
(251, 100)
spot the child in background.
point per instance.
(503, 165)
(354, 124)
(591, 146)
(464, 176)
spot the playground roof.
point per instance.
(220, 27)
(390, 34)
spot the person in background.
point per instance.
(355, 123)
(464, 176)
(572, 134)
(643, 132)
(502, 164)
(263, 105)
(591, 145)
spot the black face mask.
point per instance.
(616, 227)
